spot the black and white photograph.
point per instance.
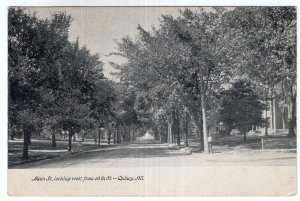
(94, 88)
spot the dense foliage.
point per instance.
(53, 83)
(241, 107)
(174, 77)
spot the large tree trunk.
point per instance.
(201, 132)
(133, 135)
(25, 147)
(272, 115)
(159, 133)
(244, 130)
(170, 131)
(163, 132)
(118, 135)
(124, 133)
(284, 122)
(266, 112)
(173, 136)
(108, 137)
(114, 136)
(245, 136)
(176, 127)
(53, 140)
(166, 132)
(95, 137)
(99, 136)
(186, 129)
(12, 136)
(70, 141)
(129, 130)
(266, 123)
(156, 131)
(26, 136)
(196, 119)
(121, 133)
(29, 139)
(204, 120)
(292, 116)
(82, 136)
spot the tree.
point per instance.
(83, 93)
(34, 45)
(102, 110)
(183, 55)
(261, 42)
(241, 107)
(52, 82)
(124, 109)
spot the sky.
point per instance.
(99, 27)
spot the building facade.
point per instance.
(277, 118)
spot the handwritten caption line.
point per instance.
(86, 178)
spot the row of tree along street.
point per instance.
(199, 69)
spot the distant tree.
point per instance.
(125, 114)
(102, 104)
(241, 107)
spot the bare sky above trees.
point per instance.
(98, 27)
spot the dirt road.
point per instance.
(161, 155)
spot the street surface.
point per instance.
(154, 154)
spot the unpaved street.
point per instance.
(161, 155)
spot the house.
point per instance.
(277, 118)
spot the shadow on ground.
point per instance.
(143, 149)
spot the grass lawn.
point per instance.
(41, 149)
(254, 142)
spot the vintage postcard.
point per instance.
(152, 101)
